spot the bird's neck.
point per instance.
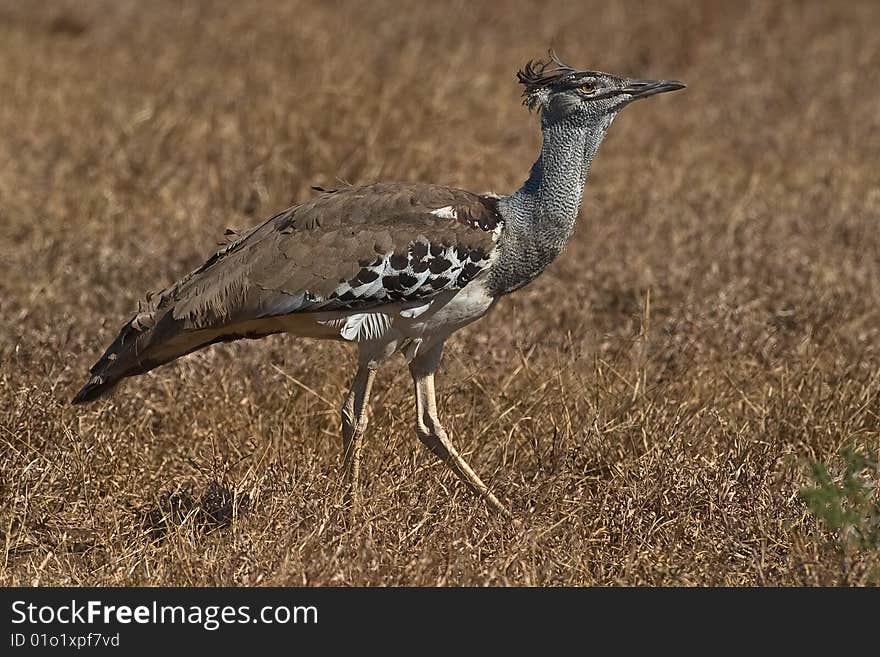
(539, 217)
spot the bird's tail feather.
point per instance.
(144, 344)
(95, 388)
(136, 350)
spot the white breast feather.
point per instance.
(414, 311)
(365, 326)
(446, 212)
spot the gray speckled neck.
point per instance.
(540, 216)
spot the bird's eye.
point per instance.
(587, 88)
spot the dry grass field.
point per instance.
(649, 407)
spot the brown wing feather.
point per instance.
(303, 254)
(298, 261)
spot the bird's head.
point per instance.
(563, 93)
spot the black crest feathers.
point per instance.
(539, 74)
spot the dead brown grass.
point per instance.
(647, 406)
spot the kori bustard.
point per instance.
(390, 267)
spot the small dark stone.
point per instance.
(437, 250)
(439, 282)
(418, 266)
(419, 250)
(68, 25)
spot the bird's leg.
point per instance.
(354, 422)
(431, 432)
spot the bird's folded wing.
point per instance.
(355, 248)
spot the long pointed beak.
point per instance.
(644, 88)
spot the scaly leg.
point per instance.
(354, 422)
(431, 432)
